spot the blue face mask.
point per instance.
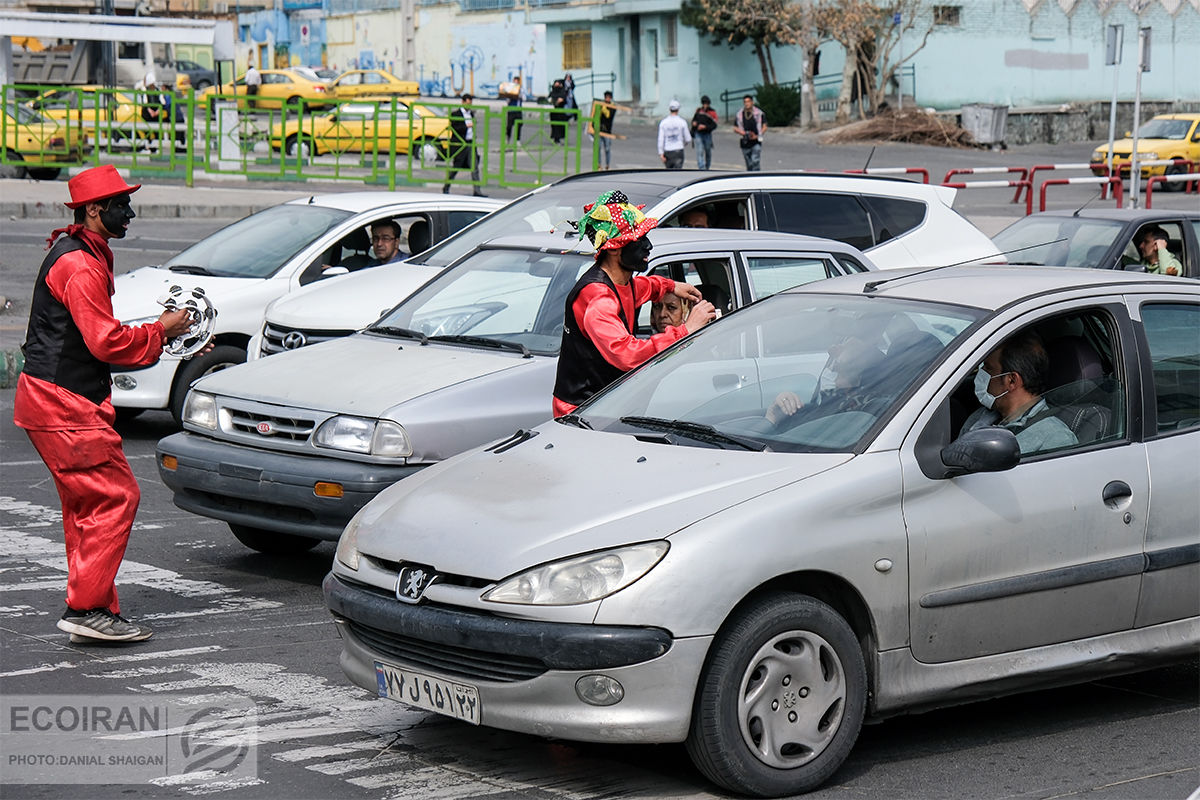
(982, 381)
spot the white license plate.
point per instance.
(458, 700)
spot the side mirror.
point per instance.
(981, 450)
(329, 272)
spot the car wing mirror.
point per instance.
(991, 449)
(329, 272)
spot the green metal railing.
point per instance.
(381, 141)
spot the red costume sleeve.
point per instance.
(83, 285)
(597, 311)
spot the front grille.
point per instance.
(258, 508)
(449, 578)
(274, 336)
(287, 428)
(460, 662)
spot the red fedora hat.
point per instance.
(96, 184)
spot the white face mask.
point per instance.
(982, 380)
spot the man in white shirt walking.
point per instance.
(253, 82)
(673, 136)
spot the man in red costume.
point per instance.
(63, 399)
(598, 344)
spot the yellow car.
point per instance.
(370, 82)
(279, 86)
(30, 137)
(117, 109)
(1164, 136)
(362, 128)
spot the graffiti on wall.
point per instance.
(483, 56)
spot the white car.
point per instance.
(897, 223)
(246, 265)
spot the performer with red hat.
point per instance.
(598, 345)
(63, 398)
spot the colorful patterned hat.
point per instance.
(611, 222)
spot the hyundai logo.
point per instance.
(294, 341)
(265, 428)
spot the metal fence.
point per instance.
(384, 141)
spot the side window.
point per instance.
(457, 220)
(726, 212)
(772, 274)
(894, 216)
(1173, 333)
(1174, 231)
(353, 79)
(373, 77)
(711, 276)
(834, 216)
(1056, 385)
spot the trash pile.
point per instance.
(915, 127)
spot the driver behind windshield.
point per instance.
(852, 361)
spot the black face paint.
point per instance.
(636, 254)
(116, 217)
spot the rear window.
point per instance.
(833, 216)
(893, 216)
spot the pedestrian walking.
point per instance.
(513, 115)
(598, 345)
(463, 154)
(253, 82)
(704, 122)
(673, 137)
(607, 112)
(752, 127)
(64, 404)
(558, 117)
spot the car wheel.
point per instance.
(12, 170)
(222, 357)
(1175, 186)
(202, 85)
(127, 413)
(781, 699)
(44, 173)
(280, 544)
(299, 147)
(294, 100)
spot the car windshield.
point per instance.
(259, 245)
(549, 209)
(1163, 128)
(1058, 241)
(797, 372)
(495, 297)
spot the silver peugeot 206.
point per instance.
(874, 494)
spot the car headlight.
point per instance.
(200, 409)
(347, 546)
(1148, 156)
(580, 579)
(375, 437)
(1099, 155)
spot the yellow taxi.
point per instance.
(1164, 136)
(362, 128)
(368, 82)
(279, 86)
(88, 107)
(31, 141)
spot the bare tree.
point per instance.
(727, 22)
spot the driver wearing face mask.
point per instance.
(1009, 388)
(598, 345)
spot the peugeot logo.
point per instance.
(412, 581)
(294, 341)
(265, 428)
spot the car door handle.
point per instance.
(726, 381)
(1116, 491)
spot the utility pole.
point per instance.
(1135, 171)
(1112, 57)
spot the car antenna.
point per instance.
(1085, 205)
(873, 285)
(311, 197)
(870, 155)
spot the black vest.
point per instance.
(582, 371)
(54, 348)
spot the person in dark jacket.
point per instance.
(704, 122)
(558, 119)
(463, 154)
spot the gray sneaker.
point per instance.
(100, 624)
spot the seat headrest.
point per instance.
(358, 239)
(717, 295)
(1072, 359)
(419, 239)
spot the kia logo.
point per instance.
(265, 428)
(294, 341)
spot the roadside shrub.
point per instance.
(780, 104)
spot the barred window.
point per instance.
(947, 15)
(671, 35)
(577, 49)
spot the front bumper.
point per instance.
(524, 670)
(152, 387)
(267, 489)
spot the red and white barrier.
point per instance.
(1192, 178)
(1111, 180)
(996, 184)
(1024, 179)
(1034, 170)
(924, 173)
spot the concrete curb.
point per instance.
(38, 210)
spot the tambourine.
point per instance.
(204, 320)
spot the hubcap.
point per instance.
(792, 698)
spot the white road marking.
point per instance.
(126, 657)
(39, 461)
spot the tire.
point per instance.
(299, 147)
(44, 173)
(294, 101)
(1176, 186)
(279, 544)
(126, 413)
(784, 652)
(202, 85)
(12, 170)
(222, 357)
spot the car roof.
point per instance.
(1117, 214)
(358, 202)
(671, 239)
(663, 182)
(993, 287)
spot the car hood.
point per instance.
(363, 374)
(138, 292)
(1144, 145)
(563, 492)
(349, 302)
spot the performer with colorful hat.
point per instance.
(598, 344)
(63, 398)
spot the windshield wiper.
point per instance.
(191, 269)
(403, 333)
(574, 419)
(483, 341)
(695, 430)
